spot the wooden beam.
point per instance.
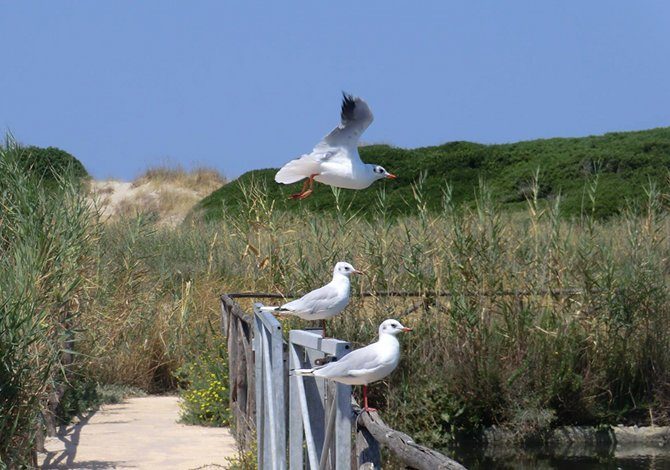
(368, 453)
(403, 447)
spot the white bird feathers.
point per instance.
(335, 161)
(365, 365)
(324, 302)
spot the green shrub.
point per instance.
(204, 389)
(51, 164)
(246, 459)
(626, 162)
(45, 247)
(79, 397)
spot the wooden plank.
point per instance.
(403, 446)
(328, 439)
(343, 418)
(246, 340)
(295, 425)
(315, 392)
(368, 453)
(258, 363)
(278, 385)
(274, 396)
(304, 410)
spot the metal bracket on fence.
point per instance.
(270, 380)
(319, 411)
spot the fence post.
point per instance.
(310, 405)
(270, 404)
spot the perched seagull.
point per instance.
(324, 302)
(365, 365)
(335, 160)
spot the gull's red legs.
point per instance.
(305, 191)
(365, 400)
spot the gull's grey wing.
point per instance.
(355, 363)
(309, 302)
(355, 118)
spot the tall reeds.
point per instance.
(45, 238)
(546, 320)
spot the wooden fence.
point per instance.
(371, 432)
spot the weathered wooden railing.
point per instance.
(304, 348)
(237, 327)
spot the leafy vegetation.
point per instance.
(549, 319)
(625, 161)
(46, 240)
(50, 164)
(204, 389)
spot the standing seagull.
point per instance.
(365, 365)
(324, 302)
(335, 160)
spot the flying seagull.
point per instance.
(365, 365)
(335, 160)
(324, 302)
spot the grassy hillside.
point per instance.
(625, 162)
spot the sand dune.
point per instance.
(167, 195)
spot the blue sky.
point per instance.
(124, 85)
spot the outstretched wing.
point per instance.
(299, 168)
(355, 118)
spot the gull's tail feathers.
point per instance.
(304, 371)
(269, 309)
(297, 169)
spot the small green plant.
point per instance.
(79, 397)
(204, 394)
(246, 459)
(114, 393)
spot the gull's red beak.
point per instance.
(392, 176)
(407, 329)
(357, 271)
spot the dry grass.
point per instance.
(201, 179)
(166, 194)
(526, 361)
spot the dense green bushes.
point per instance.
(50, 164)
(45, 245)
(625, 161)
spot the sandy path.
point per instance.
(141, 433)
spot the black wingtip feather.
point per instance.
(348, 106)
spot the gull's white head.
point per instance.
(378, 172)
(392, 327)
(345, 269)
